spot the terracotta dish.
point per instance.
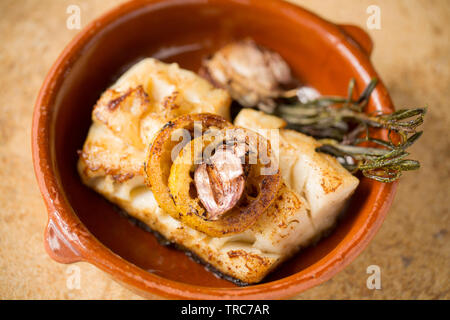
(82, 226)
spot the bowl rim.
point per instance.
(74, 242)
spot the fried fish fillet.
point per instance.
(125, 121)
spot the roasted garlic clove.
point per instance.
(253, 75)
(220, 182)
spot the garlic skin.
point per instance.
(253, 75)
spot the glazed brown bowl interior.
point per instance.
(320, 54)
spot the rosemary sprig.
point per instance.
(342, 125)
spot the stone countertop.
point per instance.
(412, 247)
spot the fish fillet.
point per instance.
(125, 121)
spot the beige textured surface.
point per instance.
(412, 248)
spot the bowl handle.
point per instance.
(359, 36)
(57, 245)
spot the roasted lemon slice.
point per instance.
(259, 191)
(163, 150)
(173, 185)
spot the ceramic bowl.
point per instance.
(82, 226)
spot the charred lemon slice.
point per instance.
(203, 188)
(258, 189)
(170, 140)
